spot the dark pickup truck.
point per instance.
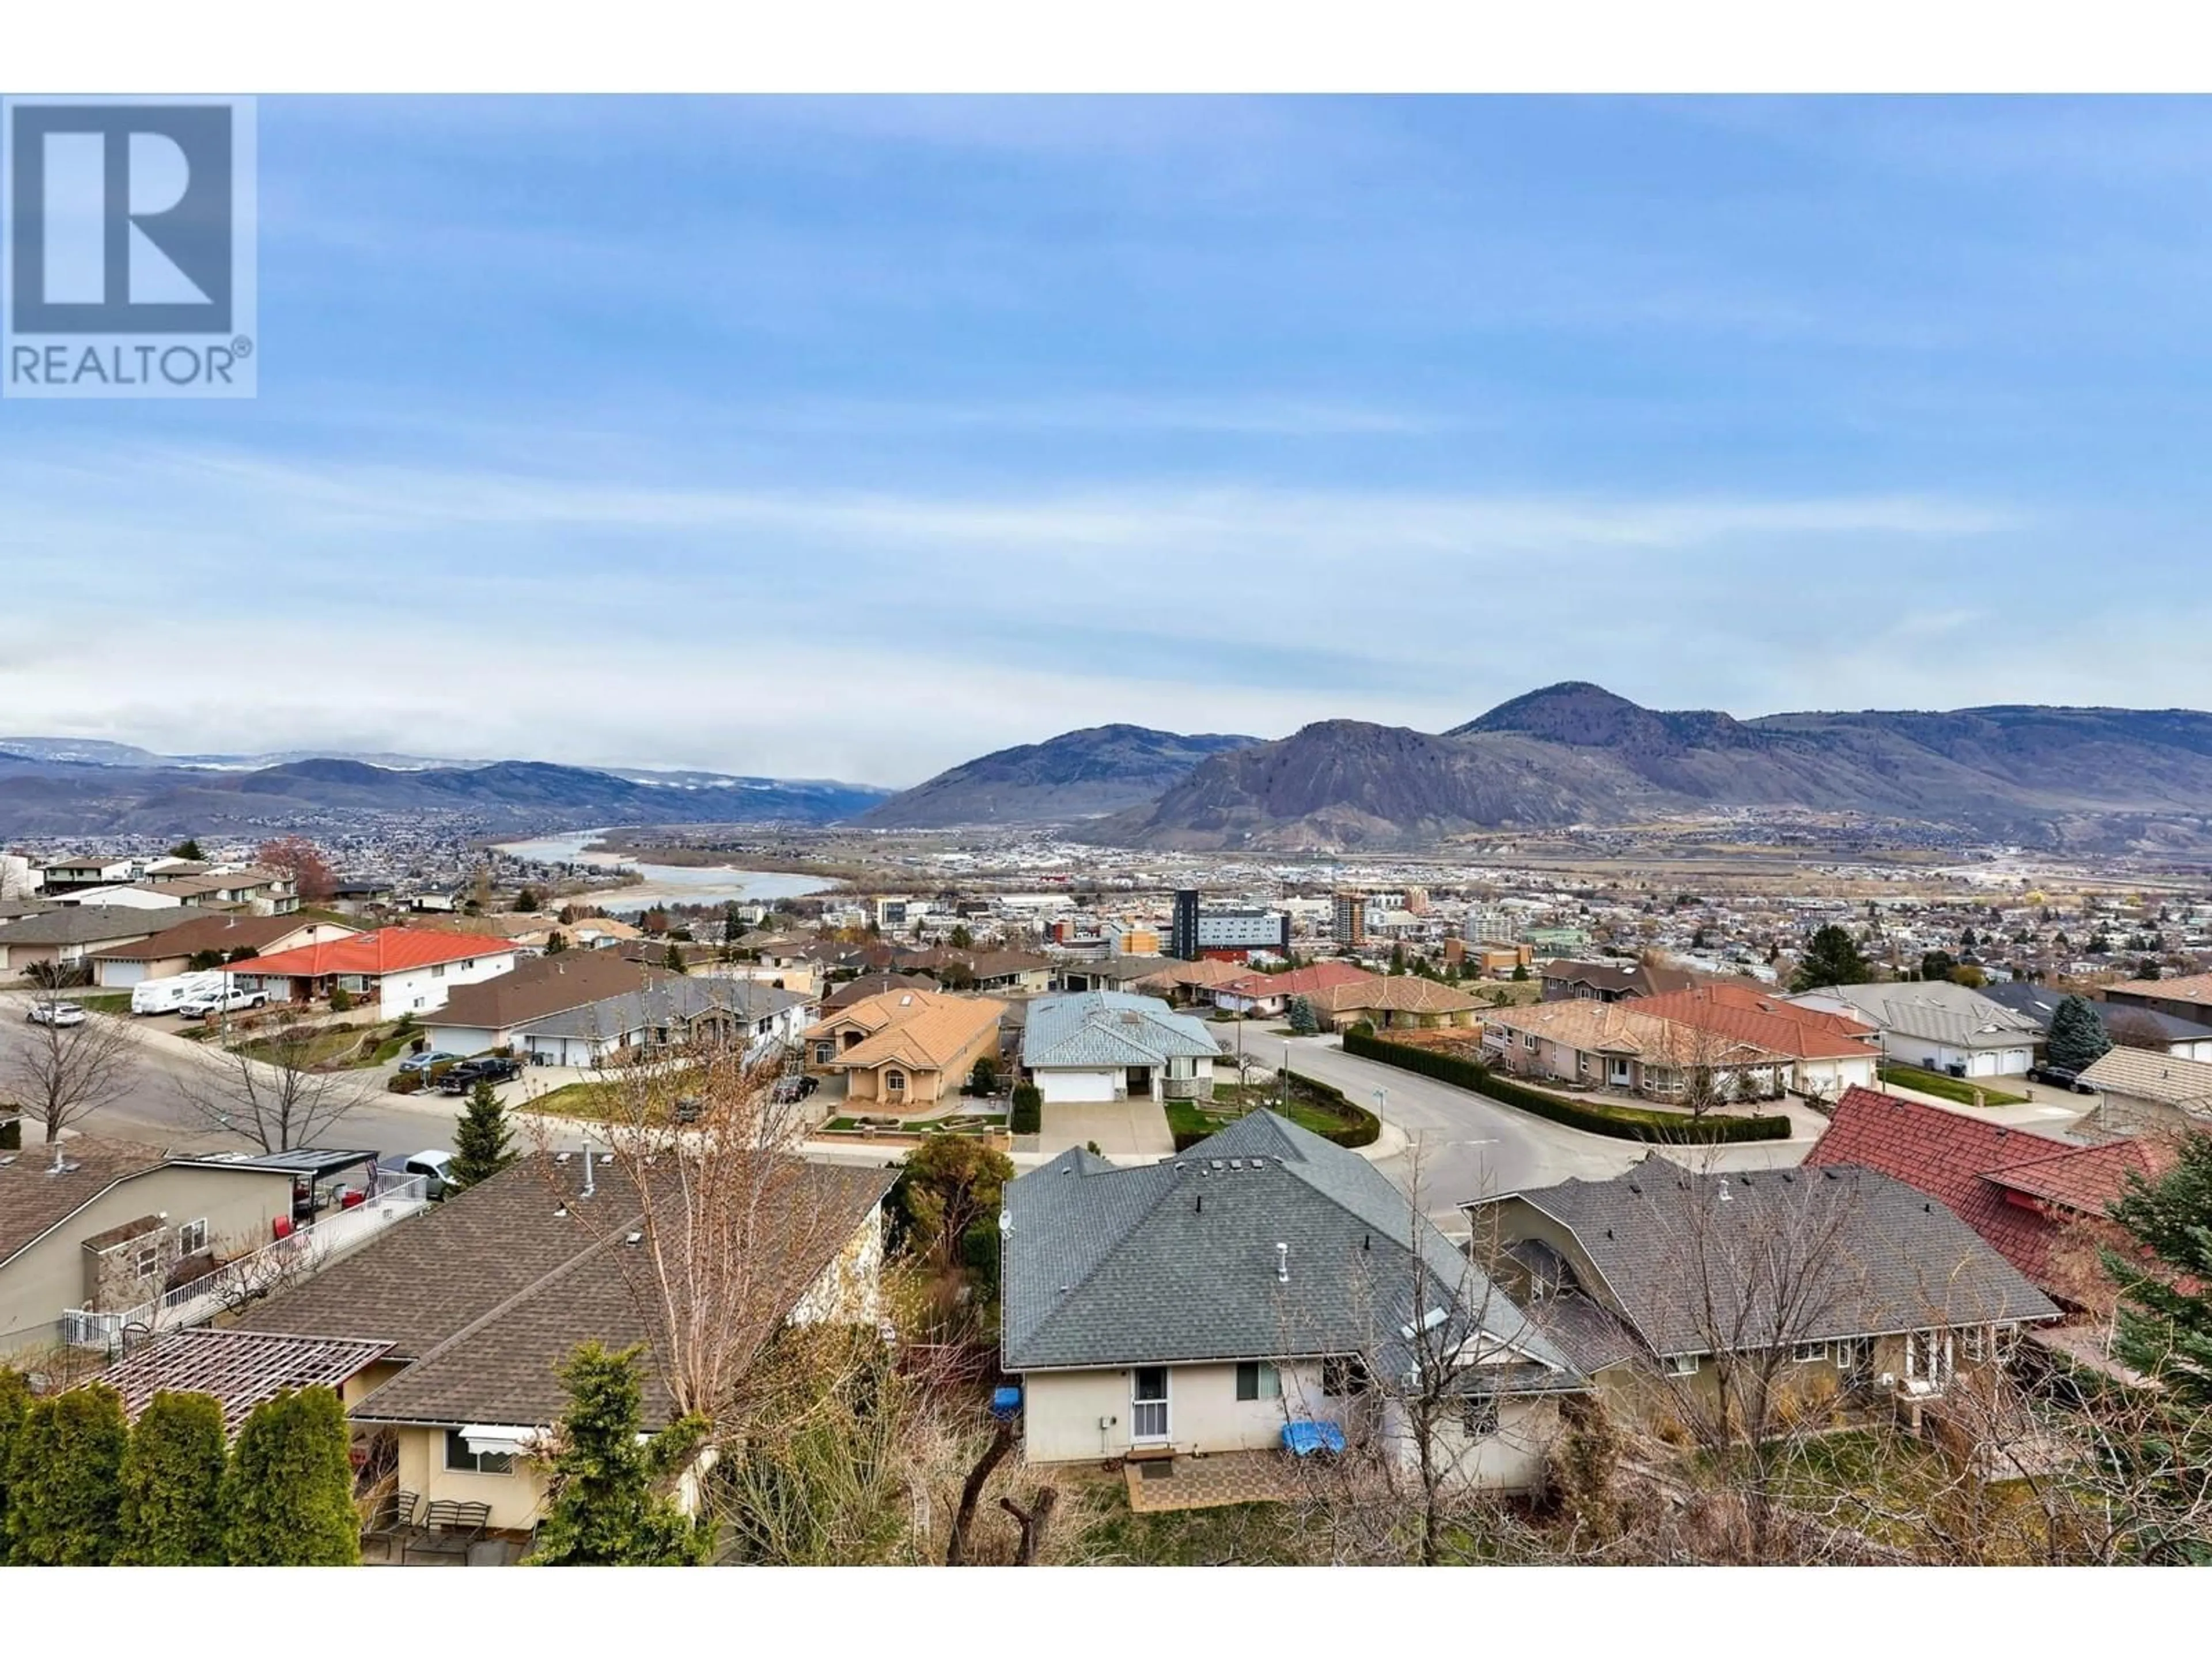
(490, 1068)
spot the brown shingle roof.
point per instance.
(31, 1199)
(538, 986)
(222, 930)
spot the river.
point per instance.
(666, 883)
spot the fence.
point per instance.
(392, 1197)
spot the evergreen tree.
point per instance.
(672, 958)
(1936, 964)
(2166, 1282)
(556, 943)
(64, 1480)
(481, 1140)
(187, 849)
(603, 1511)
(15, 1406)
(1832, 958)
(287, 1497)
(1301, 1019)
(2077, 1035)
(172, 1472)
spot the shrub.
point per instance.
(1027, 1117)
(15, 1406)
(403, 1083)
(64, 1481)
(1598, 1117)
(288, 1498)
(340, 999)
(172, 1483)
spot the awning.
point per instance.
(503, 1439)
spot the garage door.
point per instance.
(1075, 1085)
(120, 975)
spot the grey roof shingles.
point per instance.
(1176, 1262)
(1111, 1028)
(1938, 1012)
(86, 924)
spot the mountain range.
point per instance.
(1079, 775)
(1577, 753)
(65, 786)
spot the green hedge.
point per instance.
(1026, 1117)
(1597, 1117)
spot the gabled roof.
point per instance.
(1877, 1257)
(923, 1030)
(1178, 1261)
(386, 951)
(2187, 987)
(1199, 975)
(34, 1201)
(2148, 1074)
(873, 985)
(667, 997)
(1403, 993)
(218, 930)
(1111, 1028)
(1623, 1028)
(1636, 978)
(537, 987)
(82, 924)
(1299, 981)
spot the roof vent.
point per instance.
(1282, 1264)
(634, 1238)
(1218, 1163)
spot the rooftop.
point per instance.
(1111, 1028)
(386, 951)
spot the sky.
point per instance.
(824, 438)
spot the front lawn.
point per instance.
(1198, 1119)
(1946, 1087)
(610, 1100)
(101, 1002)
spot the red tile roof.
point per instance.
(1972, 1166)
(386, 951)
(1750, 1014)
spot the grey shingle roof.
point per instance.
(85, 924)
(1178, 1261)
(674, 997)
(1796, 1255)
(1111, 1028)
(1939, 1012)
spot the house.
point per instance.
(1616, 1045)
(1108, 1045)
(479, 1301)
(1267, 995)
(264, 892)
(2137, 1025)
(60, 939)
(1184, 983)
(668, 1011)
(491, 1013)
(1566, 981)
(1395, 1002)
(223, 933)
(1017, 972)
(906, 1048)
(873, 985)
(1937, 1026)
(407, 970)
(1830, 1053)
(111, 1226)
(1111, 973)
(2189, 997)
(1879, 1293)
(2143, 1089)
(356, 894)
(63, 875)
(141, 896)
(2039, 1202)
(1261, 1278)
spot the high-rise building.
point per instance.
(1350, 909)
(1224, 930)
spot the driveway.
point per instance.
(1463, 1146)
(1127, 1131)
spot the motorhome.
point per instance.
(166, 996)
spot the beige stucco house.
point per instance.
(905, 1049)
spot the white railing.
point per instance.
(392, 1198)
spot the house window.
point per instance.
(146, 1260)
(1809, 1354)
(1258, 1380)
(1478, 1417)
(461, 1460)
(824, 1053)
(1528, 1040)
(1683, 1365)
(1148, 1403)
(895, 1082)
(191, 1237)
(1927, 1356)
(437, 970)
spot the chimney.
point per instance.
(1727, 1197)
(1282, 1264)
(589, 1188)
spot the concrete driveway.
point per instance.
(1127, 1131)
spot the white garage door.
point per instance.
(120, 975)
(1075, 1085)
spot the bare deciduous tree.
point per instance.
(277, 1097)
(59, 1072)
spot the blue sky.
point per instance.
(855, 437)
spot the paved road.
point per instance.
(1462, 1146)
(151, 1111)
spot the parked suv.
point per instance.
(491, 1069)
(2059, 1077)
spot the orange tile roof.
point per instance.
(386, 951)
(1754, 1015)
(1299, 981)
(927, 1031)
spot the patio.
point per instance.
(1204, 1482)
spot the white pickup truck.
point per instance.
(208, 1005)
(167, 995)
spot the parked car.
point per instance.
(221, 1002)
(426, 1060)
(436, 1170)
(788, 1089)
(56, 1013)
(490, 1068)
(2058, 1077)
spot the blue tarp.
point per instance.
(1004, 1403)
(1303, 1439)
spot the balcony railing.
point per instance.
(392, 1199)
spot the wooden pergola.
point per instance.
(240, 1369)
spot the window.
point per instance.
(824, 1053)
(1342, 1378)
(1927, 1356)
(191, 1237)
(1809, 1354)
(1528, 1040)
(1478, 1417)
(1258, 1380)
(1683, 1365)
(437, 970)
(147, 1260)
(458, 1457)
(895, 1082)
(1148, 1403)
